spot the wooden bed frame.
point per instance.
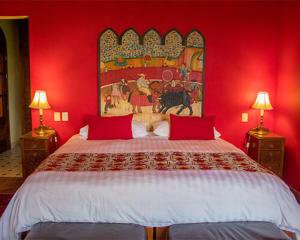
(157, 233)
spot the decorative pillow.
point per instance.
(161, 128)
(139, 129)
(191, 128)
(84, 131)
(105, 128)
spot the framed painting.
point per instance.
(151, 75)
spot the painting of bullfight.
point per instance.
(151, 75)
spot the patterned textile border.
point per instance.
(149, 161)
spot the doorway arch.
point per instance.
(4, 110)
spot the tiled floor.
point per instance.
(10, 163)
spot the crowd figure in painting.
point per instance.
(162, 95)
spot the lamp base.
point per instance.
(42, 130)
(260, 130)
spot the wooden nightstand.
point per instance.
(35, 149)
(268, 150)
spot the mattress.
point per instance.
(151, 197)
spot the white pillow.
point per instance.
(216, 133)
(139, 129)
(84, 131)
(162, 128)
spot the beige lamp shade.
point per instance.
(262, 101)
(40, 100)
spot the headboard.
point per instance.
(151, 75)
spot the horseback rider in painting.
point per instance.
(143, 86)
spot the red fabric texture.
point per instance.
(105, 128)
(191, 128)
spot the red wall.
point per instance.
(288, 91)
(242, 58)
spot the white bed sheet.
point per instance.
(149, 198)
(146, 144)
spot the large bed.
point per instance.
(151, 181)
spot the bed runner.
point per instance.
(149, 161)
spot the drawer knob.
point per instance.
(271, 154)
(34, 154)
(271, 145)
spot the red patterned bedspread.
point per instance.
(149, 161)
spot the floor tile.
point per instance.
(11, 163)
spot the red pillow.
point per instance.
(191, 128)
(104, 128)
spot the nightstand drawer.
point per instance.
(34, 155)
(31, 159)
(272, 160)
(271, 144)
(34, 144)
(35, 149)
(267, 149)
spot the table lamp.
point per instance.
(262, 103)
(40, 102)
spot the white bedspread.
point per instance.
(146, 144)
(149, 198)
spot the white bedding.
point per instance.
(150, 143)
(149, 198)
